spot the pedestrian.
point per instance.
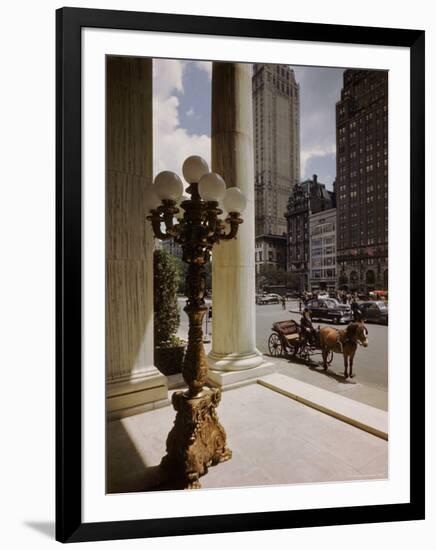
(283, 303)
(357, 314)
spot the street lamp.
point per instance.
(197, 439)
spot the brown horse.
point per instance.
(343, 341)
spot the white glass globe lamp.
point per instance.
(194, 168)
(234, 200)
(168, 186)
(152, 201)
(211, 187)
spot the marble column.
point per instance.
(133, 383)
(234, 357)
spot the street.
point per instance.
(370, 364)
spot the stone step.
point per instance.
(360, 415)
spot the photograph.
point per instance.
(247, 263)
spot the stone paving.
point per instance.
(274, 439)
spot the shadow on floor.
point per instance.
(47, 528)
(330, 374)
(126, 471)
(315, 366)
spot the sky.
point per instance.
(182, 107)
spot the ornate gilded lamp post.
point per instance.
(197, 439)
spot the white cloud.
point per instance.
(205, 66)
(307, 154)
(167, 77)
(172, 144)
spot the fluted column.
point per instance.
(132, 379)
(234, 356)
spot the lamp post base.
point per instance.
(196, 441)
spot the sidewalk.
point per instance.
(328, 380)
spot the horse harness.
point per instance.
(348, 339)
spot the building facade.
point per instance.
(306, 198)
(322, 250)
(276, 118)
(362, 180)
(276, 127)
(270, 253)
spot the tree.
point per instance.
(269, 275)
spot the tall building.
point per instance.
(322, 250)
(306, 198)
(362, 180)
(270, 254)
(276, 115)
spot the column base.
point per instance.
(135, 393)
(234, 361)
(227, 379)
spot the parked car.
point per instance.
(376, 312)
(329, 309)
(259, 297)
(269, 299)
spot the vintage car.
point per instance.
(375, 311)
(269, 299)
(329, 309)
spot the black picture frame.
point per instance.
(69, 525)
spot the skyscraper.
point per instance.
(276, 115)
(276, 144)
(362, 180)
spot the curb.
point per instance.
(359, 415)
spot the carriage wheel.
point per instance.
(275, 345)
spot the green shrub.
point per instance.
(166, 309)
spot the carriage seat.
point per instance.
(289, 329)
(293, 336)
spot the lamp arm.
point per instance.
(212, 220)
(234, 220)
(156, 219)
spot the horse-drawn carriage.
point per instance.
(288, 338)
